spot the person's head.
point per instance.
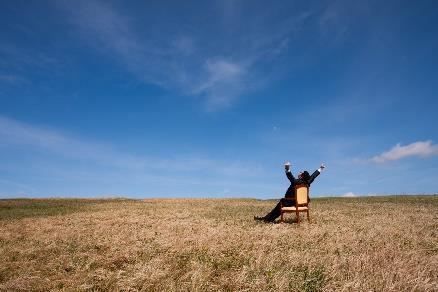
(304, 175)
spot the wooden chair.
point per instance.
(301, 203)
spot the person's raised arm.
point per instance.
(287, 167)
(316, 173)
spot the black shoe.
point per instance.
(259, 218)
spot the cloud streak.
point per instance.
(177, 61)
(14, 133)
(419, 149)
(167, 62)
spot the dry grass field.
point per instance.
(352, 244)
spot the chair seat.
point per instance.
(294, 209)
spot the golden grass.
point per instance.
(352, 244)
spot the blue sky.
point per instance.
(210, 98)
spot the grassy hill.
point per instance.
(352, 244)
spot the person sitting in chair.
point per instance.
(303, 178)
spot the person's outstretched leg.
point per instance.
(271, 216)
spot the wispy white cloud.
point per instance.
(220, 71)
(168, 62)
(14, 133)
(219, 75)
(420, 148)
(224, 83)
(57, 163)
(349, 195)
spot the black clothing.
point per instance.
(294, 181)
(290, 193)
(271, 216)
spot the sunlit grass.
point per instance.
(352, 244)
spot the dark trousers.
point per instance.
(271, 216)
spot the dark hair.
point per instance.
(305, 176)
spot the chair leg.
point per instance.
(281, 217)
(298, 217)
(308, 217)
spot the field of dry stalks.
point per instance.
(352, 244)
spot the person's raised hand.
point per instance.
(322, 166)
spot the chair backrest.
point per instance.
(302, 194)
